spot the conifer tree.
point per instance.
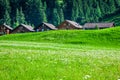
(43, 13)
(5, 12)
(37, 11)
(97, 11)
(56, 18)
(75, 11)
(86, 10)
(59, 7)
(7, 18)
(112, 6)
(117, 2)
(20, 18)
(61, 16)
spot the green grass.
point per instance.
(106, 37)
(61, 55)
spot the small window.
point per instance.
(42, 30)
(37, 30)
(64, 24)
(68, 24)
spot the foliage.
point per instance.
(112, 18)
(55, 11)
(7, 18)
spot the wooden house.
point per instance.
(5, 29)
(98, 25)
(67, 24)
(22, 28)
(45, 27)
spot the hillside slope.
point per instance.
(108, 37)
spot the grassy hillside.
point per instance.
(41, 56)
(106, 37)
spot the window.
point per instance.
(37, 30)
(42, 30)
(64, 24)
(68, 24)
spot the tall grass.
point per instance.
(52, 61)
(61, 55)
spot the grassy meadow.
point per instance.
(61, 55)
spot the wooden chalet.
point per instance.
(45, 27)
(67, 24)
(5, 29)
(98, 25)
(22, 28)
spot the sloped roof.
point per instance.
(100, 25)
(74, 24)
(51, 26)
(30, 28)
(7, 26)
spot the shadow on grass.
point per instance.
(77, 42)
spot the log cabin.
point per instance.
(22, 28)
(98, 25)
(5, 29)
(67, 25)
(45, 27)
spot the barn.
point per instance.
(67, 24)
(22, 28)
(45, 27)
(98, 25)
(5, 29)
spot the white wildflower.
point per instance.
(29, 58)
(87, 76)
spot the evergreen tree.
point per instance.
(80, 18)
(59, 7)
(112, 6)
(7, 18)
(75, 10)
(102, 8)
(37, 11)
(20, 18)
(4, 11)
(43, 12)
(56, 18)
(67, 9)
(117, 3)
(61, 16)
(97, 13)
(86, 10)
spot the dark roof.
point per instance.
(7, 26)
(30, 28)
(74, 24)
(100, 25)
(51, 26)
